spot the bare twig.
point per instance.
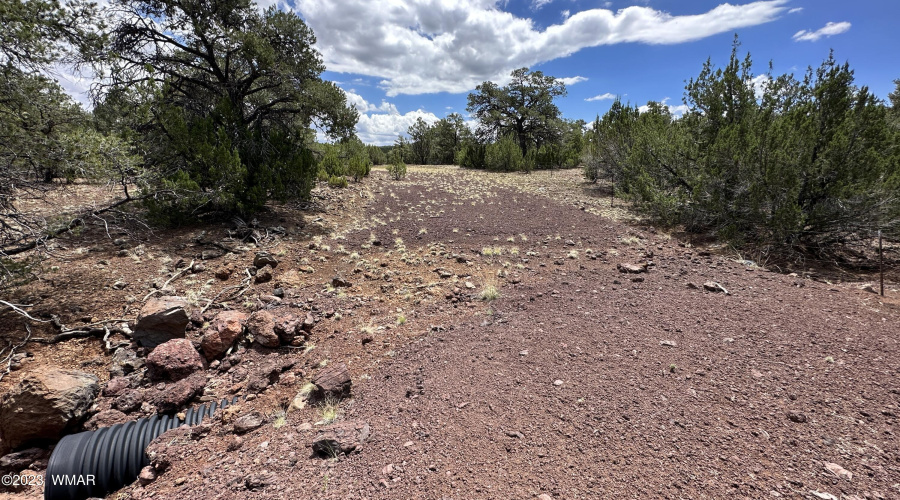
(12, 352)
(169, 281)
(23, 312)
(213, 300)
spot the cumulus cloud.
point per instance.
(676, 111)
(759, 83)
(364, 106)
(828, 30)
(427, 46)
(602, 97)
(382, 124)
(572, 80)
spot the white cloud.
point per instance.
(537, 4)
(572, 80)
(676, 111)
(566, 14)
(759, 83)
(795, 10)
(382, 124)
(829, 29)
(602, 97)
(364, 106)
(426, 46)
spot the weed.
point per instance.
(672, 368)
(401, 319)
(490, 292)
(573, 254)
(330, 411)
(829, 359)
(280, 417)
(630, 240)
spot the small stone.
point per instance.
(838, 471)
(248, 423)
(147, 475)
(235, 443)
(115, 386)
(264, 259)
(173, 360)
(712, 286)
(334, 380)
(797, 417)
(668, 343)
(632, 268)
(339, 282)
(261, 324)
(263, 275)
(544, 496)
(557, 382)
(211, 254)
(341, 438)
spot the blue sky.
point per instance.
(400, 60)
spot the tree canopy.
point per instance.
(523, 108)
(233, 94)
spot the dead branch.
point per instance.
(20, 311)
(12, 352)
(169, 281)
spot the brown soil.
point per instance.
(579, 381)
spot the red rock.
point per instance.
(261, 325)
(334, 380)
(174, 360)
(45, 404)
(226, 327)
(116, 386)
(176, 396)
(632, 268)
(147, 475)
(160, 320)
(106, 418)
(341, 438)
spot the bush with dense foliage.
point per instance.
(795, 164)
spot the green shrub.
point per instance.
(337, 181)
(359, 166)
(471, 155)
(332, 164)
(504, 155)
(397, 170)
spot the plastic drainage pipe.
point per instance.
(95, 463)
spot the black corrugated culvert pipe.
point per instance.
(95, 463)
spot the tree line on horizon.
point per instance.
(213, 110)
(777, 163)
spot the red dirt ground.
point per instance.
(577, 382)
